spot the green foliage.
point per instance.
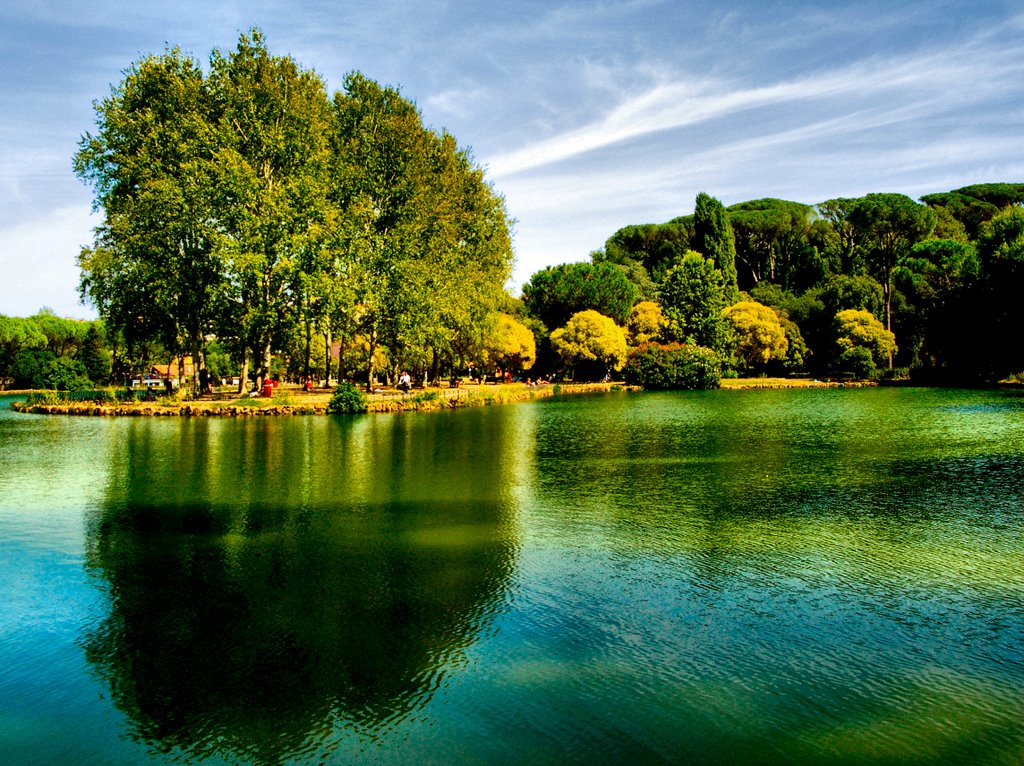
(1002, 238)
(693, 296)
(657, 366)
(857, 361)
(94, 356)
(989, 346)
(713, 237)
(772, 243)
(97, 395)
(969, 211)
(33, 368)
(655, 247)
(843, 292)
(999, 195)
(245, 204)
(944, 276)
(556, 293)
(347, 400)
(591, 344)
(153, 272)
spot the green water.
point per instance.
(826, 576)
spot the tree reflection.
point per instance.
(258, 642)
(255, 630)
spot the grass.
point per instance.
(289, 400)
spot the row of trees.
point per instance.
(848, 285)
(244, 206)
(47, 351)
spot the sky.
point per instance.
(588, 116)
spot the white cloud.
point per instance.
(37, 258)
(934, 82)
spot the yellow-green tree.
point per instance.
(591, 344)
(858, 332)
(757, 332)
(645, 323)
(510, 344)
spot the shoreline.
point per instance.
(295, 401)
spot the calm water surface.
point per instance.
(718, 578)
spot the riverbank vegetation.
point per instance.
(344, 399)
(875, 286)
(257, 228)
(646, 312)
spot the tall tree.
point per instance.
(425, 240)
(272, 153)
(558, 292)
(772, 244)
(888, 226)
(154, 270)
(656, 247)
(713, 237)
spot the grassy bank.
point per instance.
(793, 383)
(296, 401)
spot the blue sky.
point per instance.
(588, 115)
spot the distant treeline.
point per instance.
(880, 284)
(47, 351)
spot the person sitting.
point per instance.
(404, 382)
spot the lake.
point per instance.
(725, 577)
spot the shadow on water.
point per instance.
(244, 628)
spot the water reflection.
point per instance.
(263, 596)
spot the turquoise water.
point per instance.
(718, 577)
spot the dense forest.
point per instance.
(264, 228)
(880, 284)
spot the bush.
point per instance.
(347, 399)
(657, 366)
(858, 361)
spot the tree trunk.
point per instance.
(309, 351)
(435, 368)
(243, 377)
(370, 371)
(888, 309)
(265, 361)
(327, 359)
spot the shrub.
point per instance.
(347, 399)
(673, 366)
(858, 361)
